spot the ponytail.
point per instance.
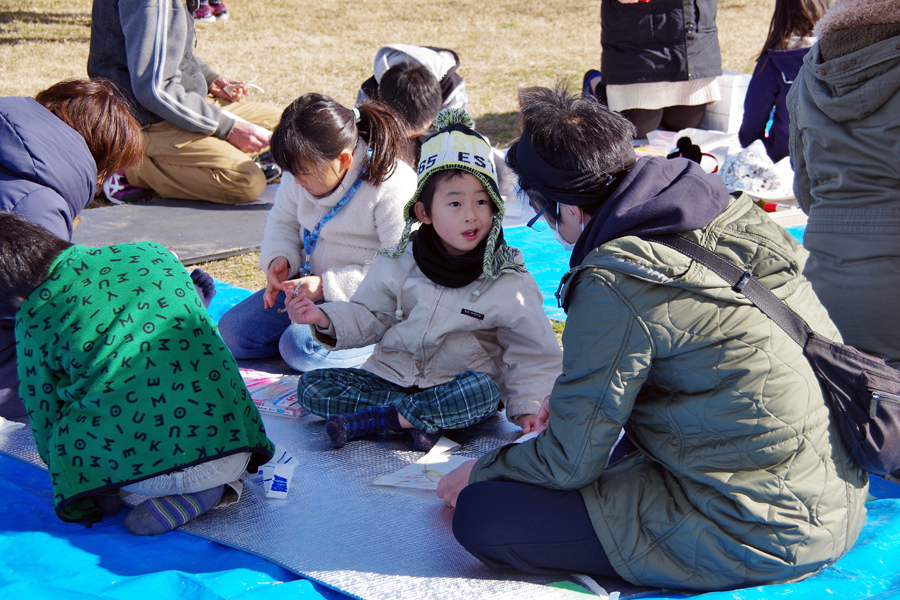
(315, 128)
(385, 135)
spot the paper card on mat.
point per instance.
(442, 446)
(423, 474)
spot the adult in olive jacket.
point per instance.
(738, 476)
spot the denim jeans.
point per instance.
(250, 331)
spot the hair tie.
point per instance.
(355, 113)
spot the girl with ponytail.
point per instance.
(346, 179)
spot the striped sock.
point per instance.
(159, 515)
(343, 428)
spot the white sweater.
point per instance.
(372, 219)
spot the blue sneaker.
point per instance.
(592, 85)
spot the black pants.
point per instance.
(530, 528)
(671, 118)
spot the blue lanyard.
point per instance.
(311, 238)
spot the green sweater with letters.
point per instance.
(125, 376)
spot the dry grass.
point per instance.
(290, 47)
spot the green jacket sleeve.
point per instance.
(38, 384)
(605, 361)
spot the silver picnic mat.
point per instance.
(367, 541)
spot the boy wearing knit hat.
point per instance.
(456, 318)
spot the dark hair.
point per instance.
(26, 252)
(314, 129)
(426, 196)
(105, 121)
(413, 93)
(792, 18)
(574, 133)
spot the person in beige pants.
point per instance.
(193, 166)
(199, 137)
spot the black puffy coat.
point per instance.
(660, 40)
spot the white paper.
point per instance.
(424, 474)
(7, 426)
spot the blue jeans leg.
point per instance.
(250, 331)
(302, 352)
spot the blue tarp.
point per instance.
(547, 261)
(43, 558)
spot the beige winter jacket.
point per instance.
(372, 219)
(503, 333)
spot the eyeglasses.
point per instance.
(539, 224)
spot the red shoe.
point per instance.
(218, 10)
(204, 14)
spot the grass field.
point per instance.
(290, 47)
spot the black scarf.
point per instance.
(443, 268)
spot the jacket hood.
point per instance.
(850, 14)
(854, 86)
(743, 234)
(438, 62)
(657, 196)
(41, 149)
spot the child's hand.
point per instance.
(278, 271)
(205, 286)
(304, 311)
(537, 422)
(311, 287)
(528, 423)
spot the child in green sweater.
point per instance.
(127, 383)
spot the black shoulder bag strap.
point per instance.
(742, 282)
(864, 392)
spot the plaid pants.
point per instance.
(471, 397)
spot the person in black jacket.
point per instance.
(55, 150)
(660, 61)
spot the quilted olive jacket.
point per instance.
(741, 479)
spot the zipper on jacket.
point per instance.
(878, 395)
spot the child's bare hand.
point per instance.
(278, 271)
(528, 423)
(536, 422)
(311, 287)
(304, 311)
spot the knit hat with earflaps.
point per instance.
(457, 146)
